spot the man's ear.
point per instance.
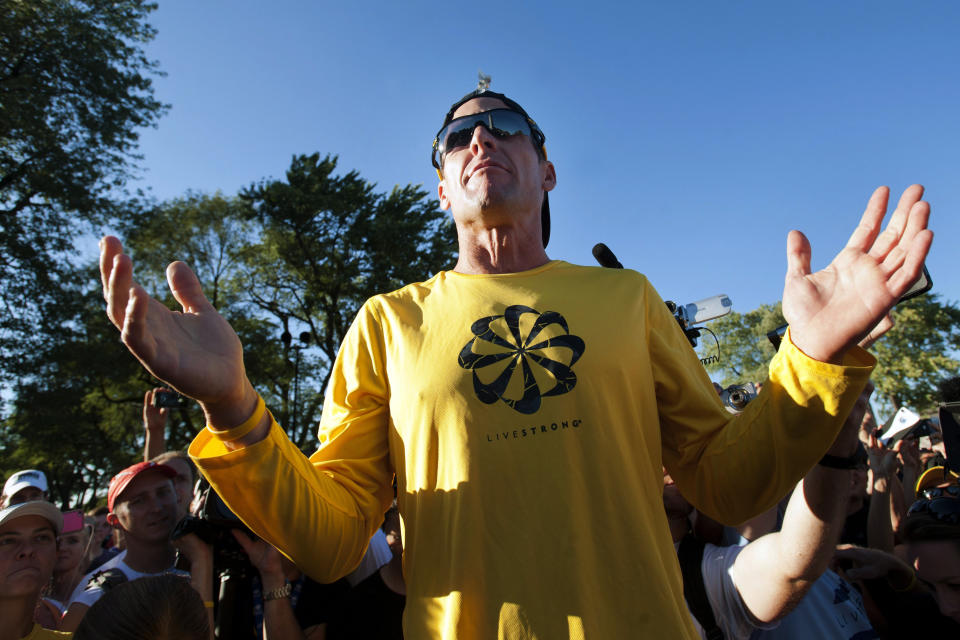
(441, 194)
(549, 176)
(113, 520)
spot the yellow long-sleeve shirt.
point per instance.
(526, 417)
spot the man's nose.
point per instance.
(482, 139)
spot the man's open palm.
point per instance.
(194, 350)
(833, 309)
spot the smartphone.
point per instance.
(168, 399)
(950, 430)
(72, 521)
(920, 287)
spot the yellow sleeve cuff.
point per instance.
(235, 433)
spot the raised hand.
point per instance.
(883, 461)
(835, 308)
(195, 350)
(873, 563)
(154, 417)
(263, 556)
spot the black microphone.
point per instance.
(605, 257)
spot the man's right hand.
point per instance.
(194, 351)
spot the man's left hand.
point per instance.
(833, 309)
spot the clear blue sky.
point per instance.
(689, 137)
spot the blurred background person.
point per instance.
(183, 481)
(155, 446)
(73, 546)
(102, 548)
(23, 486)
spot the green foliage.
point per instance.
(917, 353)
(745, 351)
(913, 357)
(327, 243)
(206, 232)
(70, 416)
(74, 89)
(299, 255)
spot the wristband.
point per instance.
(836, 462)
(208, 604)
(279, 592)
(235, 433)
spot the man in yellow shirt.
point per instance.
(525, 406)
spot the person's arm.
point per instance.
(154, 424)
(883, 466)
(200, 556)
(284, 497)
(279, 620)
(774, 572)
(339, 494)
(910, 461)
(874, 563)
(733, 469)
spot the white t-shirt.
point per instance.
(88, 596)
(378, 554)
(725, 601)
(831, 609)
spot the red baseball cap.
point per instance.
(120, 481)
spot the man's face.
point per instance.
(28, 551)
(27, 494)
(147, 509)
(493, 179)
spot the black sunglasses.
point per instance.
(943, 509)
(501, 123)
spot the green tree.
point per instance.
(744, 350)
(209, 233)
(914, 356)
(72, 416)
(75, 88)
(327, 243)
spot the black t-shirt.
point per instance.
(318, 602)
(370, 610)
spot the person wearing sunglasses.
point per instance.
(525, 406)
(918, 589)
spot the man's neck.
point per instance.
(499, 251)
(148, 557)
(17, 617)
(500, 243)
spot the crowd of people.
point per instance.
(496, 415)
(869, 548)
(136, 568)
